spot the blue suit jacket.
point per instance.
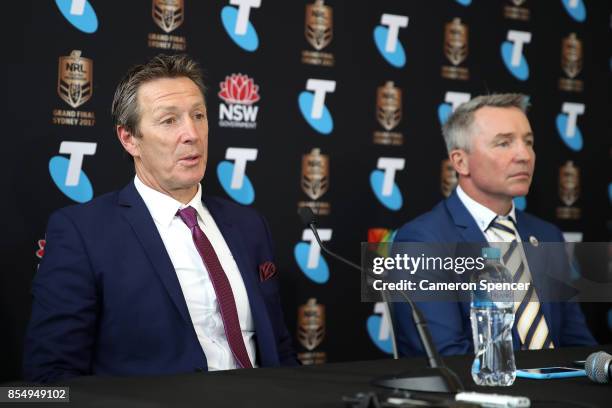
(107, 301)
(449, 222)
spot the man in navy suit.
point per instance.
(157, 278)
(490, 145)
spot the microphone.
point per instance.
(436, 378)
(308, 218)
(598, 367)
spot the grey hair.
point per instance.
(457, 129)
(125, 110)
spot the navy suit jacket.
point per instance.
(107, 301)
(450, 222)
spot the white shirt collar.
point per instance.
(162, 207)
(481, 214)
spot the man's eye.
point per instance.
(168, 121)
(503, 144)
(200, 116)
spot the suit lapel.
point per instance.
(463, 219)
(136, 214)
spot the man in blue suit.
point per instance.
(157, 278)
(490, 145)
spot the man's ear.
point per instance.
(128, 141)
(460, 161)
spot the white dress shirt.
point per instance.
(484, 216)
(193, 276)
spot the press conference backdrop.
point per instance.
(336, 105)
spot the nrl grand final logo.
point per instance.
(75, 87)
(448, 178)
(516, 11)
(315, 181)
(456, 36)
(388, 114)
(569, 191)
(168, 15)
(74, 79)
(319, 31)
(311, 331)
(571, 63)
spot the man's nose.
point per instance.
(190, 130)
(524, 152)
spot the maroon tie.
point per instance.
(222, 287)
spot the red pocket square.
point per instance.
(267, 270)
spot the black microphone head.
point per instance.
(597, 367)
(306, 215)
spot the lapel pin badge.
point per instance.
(534, 241)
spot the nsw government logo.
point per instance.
(379, 328)
(383, 184)
(237, 25)
(168, 15)
(452, 101)
(67, 173)
(232, 174)
(575, 9)
(387, 41)
(567, 127)
(79, 13)
(312, 105)
(239, 93)
(512, 54)
(75, 87)
(308, 256)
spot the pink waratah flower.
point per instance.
(239, 88)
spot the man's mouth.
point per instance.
(190, 159)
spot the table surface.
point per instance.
(325, 385)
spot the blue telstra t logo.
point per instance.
(308, 256)
(312, 106)
(610, 192)
(512, 54)
(67, 174)
(80, 14)
(464, 2)
(237, 25)
(379, 328)
(576, 9)
(453, 100)
(386, 39)
(383, 183)
(232, 175)
(520, 203)
(566, 125)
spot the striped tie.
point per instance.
(528, 317)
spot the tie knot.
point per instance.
(504, 225)
(189, 216)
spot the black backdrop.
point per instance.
(34, 130)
